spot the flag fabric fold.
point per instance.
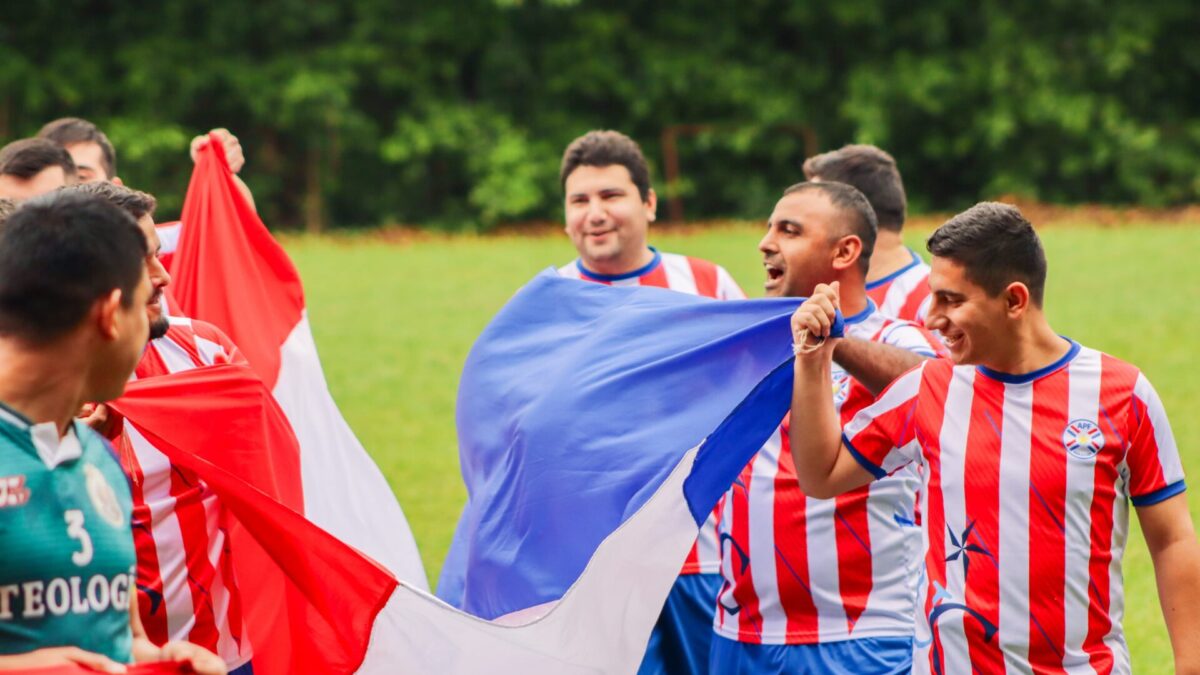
(310, 601)
(576, 403)
(228, 270)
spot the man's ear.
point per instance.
(651, 205)
(1016, 299)
(105, 311)
(847, 252)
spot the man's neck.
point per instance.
(890, 255)
(622, 265)
(44, 385)
(852, 296)
(1033, 346)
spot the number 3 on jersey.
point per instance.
(75, 530)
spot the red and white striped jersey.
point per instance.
(686, 275)
(668, 270)
(904, 293)
(799, 570)
(1027, 481)
(186, 587)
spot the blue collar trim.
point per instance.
(862, 316)
(916, 260)
(1009, 378)
(645, 269)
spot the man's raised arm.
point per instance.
(825, 468)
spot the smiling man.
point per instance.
(823, 585)
(609, 208)
(1032, 446)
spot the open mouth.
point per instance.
(773, 273)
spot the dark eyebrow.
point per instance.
(787, 221)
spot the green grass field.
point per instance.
(394, 323)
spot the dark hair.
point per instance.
(849, 200)
(133, 202)
(873, 172)
(71, 130)
(28, 157)
(996, 246)
(59, 253)
(606, 148)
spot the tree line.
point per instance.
(454, 114)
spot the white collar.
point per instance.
(51, 448)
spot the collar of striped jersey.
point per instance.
(51, 448)
(1009, 378)
(867, 311)
(916, 260)
(595, 276)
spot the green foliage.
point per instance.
(454, 114)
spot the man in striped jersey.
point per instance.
(185, 581)
(814, 585)
(898, 280)
(1032, 447)
(609, 208)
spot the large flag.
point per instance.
(310, 601)
(228, 270)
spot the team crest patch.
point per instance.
(13, 491)
(1083, 439)
(103, 497)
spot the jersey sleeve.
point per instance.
(914, 338)
(882, 436)
(727, 288)
(1155, 470)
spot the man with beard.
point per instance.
(185, 579)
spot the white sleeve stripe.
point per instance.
(1168, 452)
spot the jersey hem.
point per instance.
(809, 638)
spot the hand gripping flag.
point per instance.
(229, 271)
(310, 601)
(161, 668)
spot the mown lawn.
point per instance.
(394, 323)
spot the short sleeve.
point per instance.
(914, 338)
(1155, 470)
(882, 436)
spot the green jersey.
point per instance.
(66, 548)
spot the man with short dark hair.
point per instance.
(609, 206)
(33, 166)
(898, 279)
(72, 326)
(176, 563)
(96, 158)
(814, 585)
(1032, 448)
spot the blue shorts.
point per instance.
(680, 642)
(867, 656)
(246, 668)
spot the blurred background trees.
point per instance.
(454, 114)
